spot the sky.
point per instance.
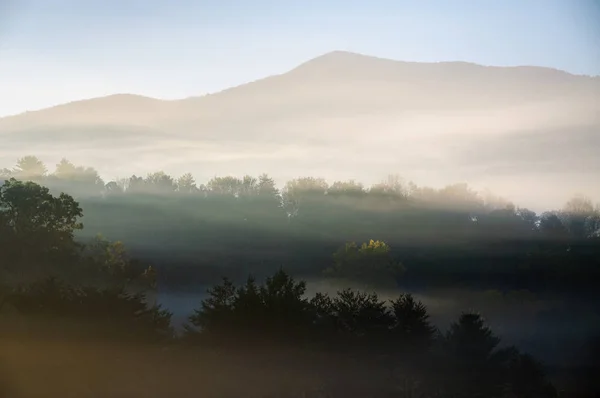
(57, 51)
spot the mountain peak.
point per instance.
(339, 56)
(337, 62)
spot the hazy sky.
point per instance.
(54, 51)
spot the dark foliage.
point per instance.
(273, 311)
(37, 239)
(411, 325)
(33, 222)
(95, 312)
(466, 361)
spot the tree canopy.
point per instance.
(32, 217)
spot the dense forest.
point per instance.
(63, 280)
(193, 231)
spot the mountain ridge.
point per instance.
(336, 56)
(349, 56)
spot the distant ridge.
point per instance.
(339, 58)
(346, 114)
(330, 64)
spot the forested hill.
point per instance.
(248, 224)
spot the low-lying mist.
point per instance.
(528, 133)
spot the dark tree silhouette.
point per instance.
(551, 225)
(275, 310)
(360, 314)
(108, 312)
(475, 365)
(216, 313)
(36, 220)
(411, 328)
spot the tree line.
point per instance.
(468, 359)
(579, 217)
(248, 223)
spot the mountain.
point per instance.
(530, 132)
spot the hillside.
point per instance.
(529, 132)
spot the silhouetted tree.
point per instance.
(286, 309)
(360, 314)
(321, 308)
(551, 225)
(98, 311)
(37, 220)
(216, 315)
(411, 327)
(528, 217)
(273, 311)
(475, 365)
